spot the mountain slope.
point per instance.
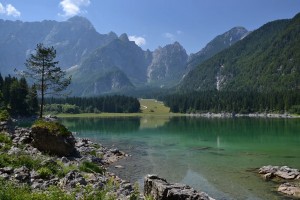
(168, 65)
(73, 39)
(218, 44)
(114, 67)
(267, 59)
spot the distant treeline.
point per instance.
(111, 104)
(17, 97)
(237, 102)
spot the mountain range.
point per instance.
(104, 63)
(265, 59)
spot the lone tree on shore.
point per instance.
(48, 77)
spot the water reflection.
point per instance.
(210, 154)
(103, 125)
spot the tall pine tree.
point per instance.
(49, 78)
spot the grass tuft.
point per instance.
(90, 167)
(4, 115)
(53, 127)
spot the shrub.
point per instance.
(19, 161)
(90, 167)
(44, 172)
(5, 139)
(10, 191)
(64, 169)
(4, 115)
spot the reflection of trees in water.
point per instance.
(113, 125)
(231, 129)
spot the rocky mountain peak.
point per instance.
(168, 64)
(124, 37)
(82, 21)
(216, 45)
(112, 34)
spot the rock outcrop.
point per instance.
(65, 172)
(160, 189)
(291, 176)
(283, 172)
(290, 189)
(53, 141)
(6, 126)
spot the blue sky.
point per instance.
(153, 23)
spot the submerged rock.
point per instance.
(290, 175)
(160, 189)
(283, 172)
(290, 189)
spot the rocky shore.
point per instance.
(160, 189)
(74, 178)
(232, 115)
(287, 178)
(81, 173)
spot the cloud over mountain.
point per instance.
(140, 41)
(9, 10)
(73, 7)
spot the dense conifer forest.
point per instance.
(112, 104)
(235, 101)
(17, 97)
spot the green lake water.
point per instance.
(218, 156)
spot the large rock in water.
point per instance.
(290, 189)
(160, 189)
(53, 138)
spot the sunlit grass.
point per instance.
(149, 107)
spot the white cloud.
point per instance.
(73, 7)
(140, 41)
(9, 10)
(12, 11)
(170, 36)
(2, 9)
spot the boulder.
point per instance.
(22, 174)
(72, 179)
(287, 173)
(283, 172)
(290, 189)
(53, 140)
(160, 189)
(7, 126)
(268, 169)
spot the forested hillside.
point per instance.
(235, 102)
(268, 59)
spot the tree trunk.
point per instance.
(42, 91)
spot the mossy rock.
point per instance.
(53, 138)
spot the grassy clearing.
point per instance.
(149, 107)
(152, 106)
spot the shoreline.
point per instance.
(75, 182)
(75, 175)
(204, 115)
(249, 115)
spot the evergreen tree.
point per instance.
(1, 81)
(18, 93)
(32, 100)
(49, 78)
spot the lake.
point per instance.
(217, 156)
